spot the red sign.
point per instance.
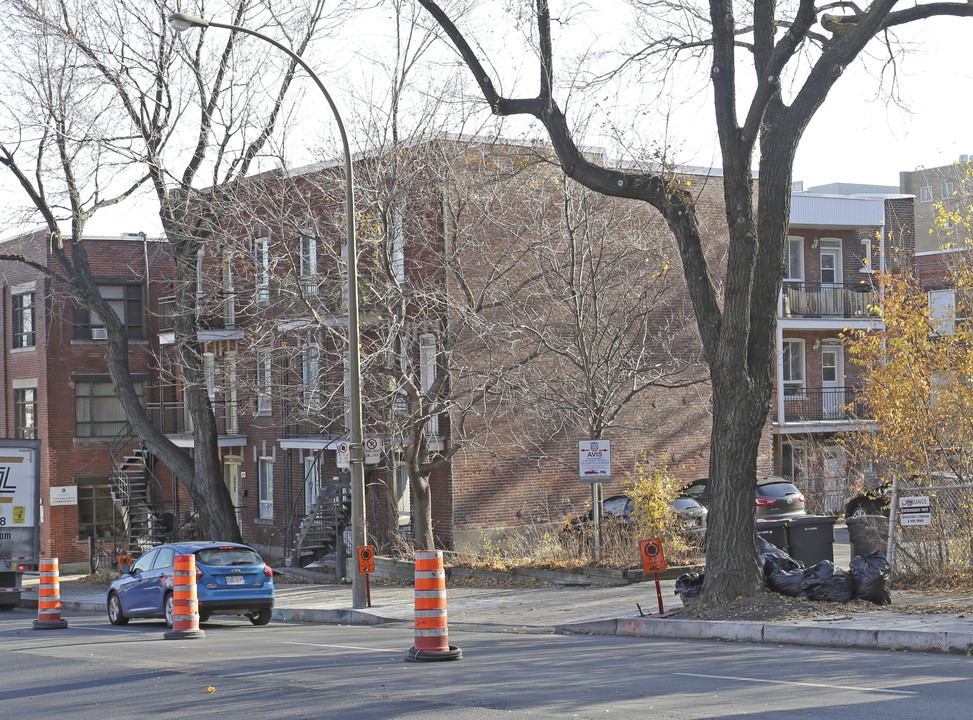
(366, 559)
(651, 552)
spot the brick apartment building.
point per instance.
(56, 386)
(271, 323)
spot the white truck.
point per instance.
(19, 516)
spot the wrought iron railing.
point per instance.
(844, 300)
(803, 405)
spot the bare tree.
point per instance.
(113, 101)
(805, 46)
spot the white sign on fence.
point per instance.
(914, 510)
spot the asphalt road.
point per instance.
(92, 670)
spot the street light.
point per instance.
(180, 22)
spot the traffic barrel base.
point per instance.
(49, 597)
(431, 641)
(185, 607)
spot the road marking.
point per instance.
(340, 647)
(803, 684)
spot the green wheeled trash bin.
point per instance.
(812, 538)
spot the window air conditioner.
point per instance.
(99, 333)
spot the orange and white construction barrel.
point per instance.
(49, 597)
(431, 638)
(185, 606)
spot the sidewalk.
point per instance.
(601, 610)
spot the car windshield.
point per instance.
(227, 556)
(779, 489)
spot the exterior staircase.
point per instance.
(320, 531)
(137, 495)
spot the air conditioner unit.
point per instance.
(99, 333)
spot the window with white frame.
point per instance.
(261, 260)
(264, 382)
(125, 300)
(946, 190)
(793, 461)
(25, 412)
(795, 258)
(866, 254)
(312, 375)
(793, 362)
(428, 357)
(209, 372)
(308, 264)
(925, 194)
(398, 248)
(97, 410)
(229, 291)
(265, 487)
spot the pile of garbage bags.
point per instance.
(866, 579)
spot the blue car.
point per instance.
(231, 579)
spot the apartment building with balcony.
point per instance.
(836, 246)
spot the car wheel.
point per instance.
(203, 616)
(170, 612)
(857, 512)
(261, 617)
(115, 614)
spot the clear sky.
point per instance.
(853, 138)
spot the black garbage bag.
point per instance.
(689, 586)
(827, 583)
(774, 560)
(870, 576)
(786, 582)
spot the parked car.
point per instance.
(775, 497)
(690, 512)
(870, 502)
(231, 579)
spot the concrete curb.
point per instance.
(332, 616)
(951, 642)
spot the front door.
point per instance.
(832, 290)
(832, 380)
(231, 477)
(312, 481)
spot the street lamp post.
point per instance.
(180, 22)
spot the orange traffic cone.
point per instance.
(49, 597)
(431, 640)
(185, 607)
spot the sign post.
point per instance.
(366, 565)
(653, 562)
(595, 467)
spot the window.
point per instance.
(793, 462)
(229, 294)
(125, 300)
(398, 249)
(25, 411)
(403, 495)
(946, 190)
(427, 374)
(23, 320)
(795, 258)
(97, 515)
(209, 373)
(97, 409)
(309, 264)
(261, 259)
(942, 311)
(265, 487)
(793, 362)
(866, 255)
(311, 376)
(925, 194)
(264, 379)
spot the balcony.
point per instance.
(173, 419)
(224, 319)
(302, 421)
(828, 300)
(822, 405)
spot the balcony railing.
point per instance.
(172, 418)
(302, 421)
(822, 405)
(224, 319)
(852, 300)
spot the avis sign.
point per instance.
(595, 460)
